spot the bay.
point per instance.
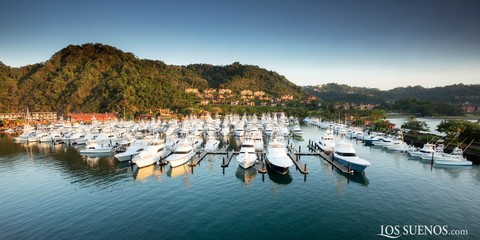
(51, 192)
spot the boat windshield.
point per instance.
(346, 154)
(182, 152)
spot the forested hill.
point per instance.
(454, 94)
(101, 78)
(237, 77)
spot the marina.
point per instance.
(55, 174)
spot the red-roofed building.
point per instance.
(88, 117)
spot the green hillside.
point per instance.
(101, 78)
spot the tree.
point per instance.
(415, 126)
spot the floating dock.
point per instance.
(198, 157)
(315, 150)
(261, 165)
(298, 163)
(329, 159)
(226, 160)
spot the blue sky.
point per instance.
(382, 44)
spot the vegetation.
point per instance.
(460, 129)
(415, 126)
(100, 78)
(410, 100)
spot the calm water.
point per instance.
(51, 192)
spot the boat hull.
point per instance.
(176, 160)
(453, 163)
(348, 164)
(277, 169)
(246, 161)
(144, 162)
(123, 157)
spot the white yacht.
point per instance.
(95, 148)
(277, 158)
(247, 156)
(455, 158)
(297, 131)
(182, 154)
(212, 144)
(427, 149)
(397, 145)
(239, 130)
(257, 138)
(345, 154)
(132, 150)
(150, 155)
(326, 142)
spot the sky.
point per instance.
(366, 43)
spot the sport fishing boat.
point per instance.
(345, 154)
(277, 158)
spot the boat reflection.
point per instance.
(246, 175)
(143, 173)
(357, 177)
(279, 178)
(453, 171)
(184, 169)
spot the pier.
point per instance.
(298, 163)
(226, 160)
(261, 165)
(328, 157)
(198, 157)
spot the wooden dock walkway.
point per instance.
(197, 158)
(226, 160)
(329, 159)
(261, 164)
(298, 163)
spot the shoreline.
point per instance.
(466, 117)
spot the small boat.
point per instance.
(436, 154)
(397, 145)
(257, 140)
(73, 137)
(455, 158)
(182, 154)
(277, 158)
(239, 130)
(132, 150)
(247, 156)
(372, 137)
(27, 136)
(326, 142)
(427, 149)
(9, 131)
(212, 144)
(95, 148)
(345, 154)
(297, 131)
(151, 154)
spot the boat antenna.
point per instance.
(469, 145)
(449, 143)
(460, 144)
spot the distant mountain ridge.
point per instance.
(102, 78)
(455, 94)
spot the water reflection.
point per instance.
(358, 177)
(141, 174)
(246, 175)
(279, 178)
(184, 169)
(453, 171)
